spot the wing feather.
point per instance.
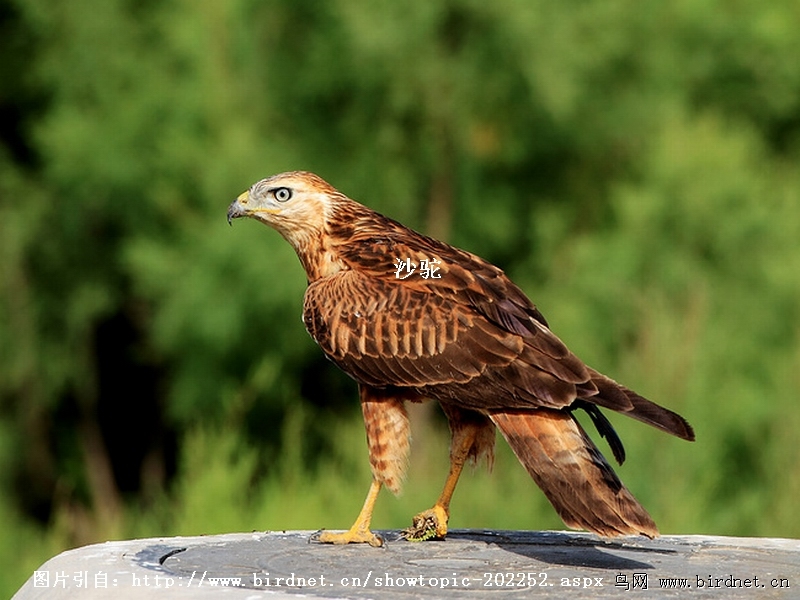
(393, 332)
(470, 336)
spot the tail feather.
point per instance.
(572, 473)
(611, 394)
(604, 428)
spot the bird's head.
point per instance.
(299, 206)
(296, 204)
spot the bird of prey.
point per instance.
(411, 318)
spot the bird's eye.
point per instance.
(282, 194)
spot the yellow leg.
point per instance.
(360, 531)
(432, 523)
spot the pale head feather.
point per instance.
(298, 205)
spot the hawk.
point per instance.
(411, 318)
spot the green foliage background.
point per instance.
(633, 165)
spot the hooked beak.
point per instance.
(235, 210)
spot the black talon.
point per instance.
(314, 537)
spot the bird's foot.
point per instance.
(352, 536)
(428, 525)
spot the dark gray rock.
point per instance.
(515, 564)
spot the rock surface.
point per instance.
(469, 563)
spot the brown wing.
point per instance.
(470, 336)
